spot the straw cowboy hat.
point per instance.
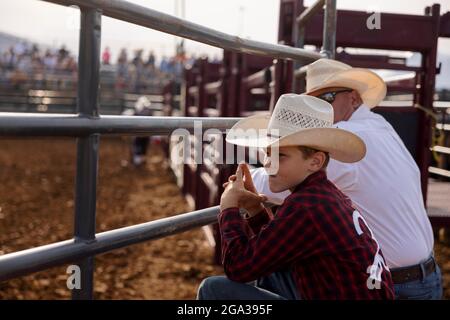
(298, 120)
(326, 73)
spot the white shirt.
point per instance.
(385, 186)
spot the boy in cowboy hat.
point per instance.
(385, 185)
(316, 232)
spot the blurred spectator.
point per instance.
(123, 56)
(62, 53)
(21, 48)
(137, 79)
(49, 61)
(122, 63)
(151, 59)
(164, 65)
(106, 56)
(10, 59)
(137, 60)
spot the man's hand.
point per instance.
(240, 192)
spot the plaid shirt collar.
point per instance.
(316, 177)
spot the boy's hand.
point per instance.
(242, 193)
(248, 181)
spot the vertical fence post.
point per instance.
(428, 81)
(329, 29)
(87, 147)
(298, 38)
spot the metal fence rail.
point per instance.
(329, 34)
(38, 124)
(152, 19)
(87, 125)
(35, 259)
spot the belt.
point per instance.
(415, 272)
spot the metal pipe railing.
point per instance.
(329, 29)
(166, 23)
(32, 260)
(329, 34)
(299, 34)
(309, 12)
(38, 124)
(87, 146)
(300, 72)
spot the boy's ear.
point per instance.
(317, 161)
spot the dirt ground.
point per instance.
(36, 208)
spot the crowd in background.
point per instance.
(139, 72)
(25, 64)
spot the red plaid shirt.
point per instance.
(318, 234)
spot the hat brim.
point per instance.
(341, 145)
(369, 85)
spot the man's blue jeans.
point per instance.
(429, 288)
(280, 286)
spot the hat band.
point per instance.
(300, 120)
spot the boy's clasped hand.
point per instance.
(240, 192)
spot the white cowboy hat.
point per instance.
(326, 73)
(298, 120)
(142, 103)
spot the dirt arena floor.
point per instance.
(36, 208)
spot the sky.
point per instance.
(54, 25)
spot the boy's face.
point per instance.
(293, 168)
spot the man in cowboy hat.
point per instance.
(139, 147)
(385, 185)
(316, 232)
